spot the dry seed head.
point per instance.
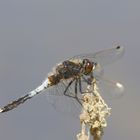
(94, 112)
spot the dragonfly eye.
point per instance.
(87, 66)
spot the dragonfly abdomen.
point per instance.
(54, 79)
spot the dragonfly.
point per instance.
(68, 80)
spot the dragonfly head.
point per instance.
(88, 66)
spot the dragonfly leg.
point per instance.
(87, 80)
(76, 97)
(76, 81)
(80, 86)
(65, 91)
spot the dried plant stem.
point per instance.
(93, 116)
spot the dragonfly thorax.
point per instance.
(64, 71)
(69, 69)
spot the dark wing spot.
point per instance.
(118, 47)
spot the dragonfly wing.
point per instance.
(103, 57)
(62, 103)
(110, 89)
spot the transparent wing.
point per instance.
(103, 57)
(109, 89)
(65, 104)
